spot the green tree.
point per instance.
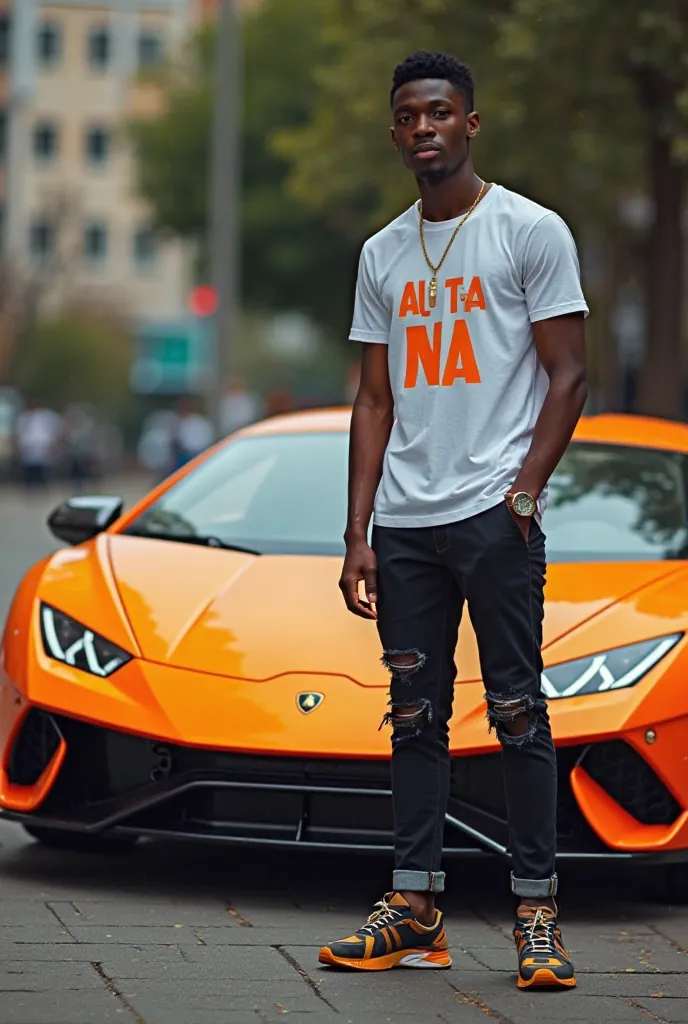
(295, 257)
(582, 103)
(80, 356)
(533, 137)
(632, 60)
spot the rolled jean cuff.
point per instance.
(418, 881)
(534, 888)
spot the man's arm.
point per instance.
(560, 345)
(371, 423)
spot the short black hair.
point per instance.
(432, 64)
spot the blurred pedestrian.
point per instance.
(470, 312)
(11, 404)
(83, 445)
(239, 407)
(192, 433)
(154, 448)
(37, 434)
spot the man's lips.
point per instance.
(426, 151)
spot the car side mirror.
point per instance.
(81, 518)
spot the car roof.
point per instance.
(638, 431)
(613, 428)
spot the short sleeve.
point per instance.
(551, 272)
(372, 320)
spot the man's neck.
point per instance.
(450, 198)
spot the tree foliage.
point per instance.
(583, 103)
(632, 60)
(564, 86)
(81, 356)
(294, 256)
(549, 141)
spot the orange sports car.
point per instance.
(189, 669)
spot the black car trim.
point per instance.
(656, 857)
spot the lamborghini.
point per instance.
(188, 669)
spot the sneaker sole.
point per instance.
(437, 959)
(545, 978)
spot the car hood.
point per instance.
(259, 617)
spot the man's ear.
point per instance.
(394, 139)
(472, 125)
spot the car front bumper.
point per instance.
(63, 773)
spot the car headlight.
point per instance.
(610, 670)
(67, 640)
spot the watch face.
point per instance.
(523, 504)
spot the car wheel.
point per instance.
(64, 839)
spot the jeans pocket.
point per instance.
(517, 528)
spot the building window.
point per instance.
(97, 145)
(145, 247)
(4, 40)
(46, 141)
(48, 43)
(42, 239)
(95, 242)
(151, 48)
(99, 48)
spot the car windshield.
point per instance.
(277, 494)
(286, 494)
(617, 503)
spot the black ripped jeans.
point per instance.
(425, 575)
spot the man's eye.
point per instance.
(405, 119)
(442, 114)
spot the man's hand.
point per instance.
(523, 522)
(360, 564)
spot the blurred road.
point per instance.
(180, 934)
(24, 537)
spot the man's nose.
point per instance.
(424, 126)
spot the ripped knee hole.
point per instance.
(407, 718)
(403, 664)
(514, 718)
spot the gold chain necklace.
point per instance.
(436, 269)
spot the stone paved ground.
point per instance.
(181, 934)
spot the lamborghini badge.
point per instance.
(308, 702)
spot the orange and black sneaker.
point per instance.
(542, 960)
(392, 937)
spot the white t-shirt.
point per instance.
(465, 377)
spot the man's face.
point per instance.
(432, 127)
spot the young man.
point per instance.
(470, 311)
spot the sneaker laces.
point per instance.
(379, 918)
(539, 933)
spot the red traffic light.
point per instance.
(203, 300)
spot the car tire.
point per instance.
(65, 839)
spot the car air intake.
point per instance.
(629, 779)
(35, 745)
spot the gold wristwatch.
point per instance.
(522, 503)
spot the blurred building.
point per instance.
(5, 22)
(70, 204)
(70, 219)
